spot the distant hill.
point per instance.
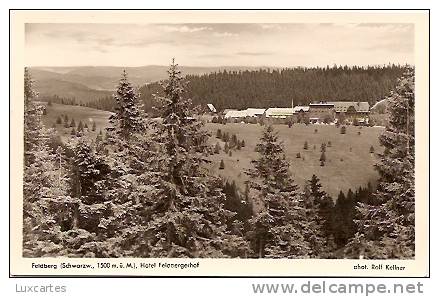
(107, 77)
(91, 83)
(55, 87)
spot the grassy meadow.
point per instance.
(79, 113)
(349, 164)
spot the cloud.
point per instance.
(183, 28)
(225, 34)
(254, 53)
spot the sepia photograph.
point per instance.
(290, 138)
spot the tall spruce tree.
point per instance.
(132, 175)
(188, 215)
(280, 228)
(387, 227)
(324, 205)
(128, 116)
(44, 186)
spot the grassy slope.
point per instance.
(355, 170)
(79, 113)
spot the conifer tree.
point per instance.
(93, 128)
(128, 116)
(280, 229)
(44, 189)
(189, 218)
(387, 226)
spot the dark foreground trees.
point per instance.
(142, 191)
(280, 229)
(387, 224)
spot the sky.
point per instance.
(219, 44)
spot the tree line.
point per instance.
(143, 190)
(276, 88)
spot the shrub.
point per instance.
(343, 130)
(298, 155)
(315, 130)
(221, 164)
(329, 144)
(218, 133)
(217, 148)
(372, 149)
(305, 145)
(359, 133)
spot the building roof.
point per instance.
(253, 112)
(211, 107)
(236, 114)
(279, 112)
(300, 108)
(342, 106)
(322, 104)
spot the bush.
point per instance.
(359, 133)
(243, 143)
(305, 145)
(217, 148)
(226, 148)
(372, 149)
(329, 144)
(315, 130)
(343, 130)
(298, 156)
(221, 164)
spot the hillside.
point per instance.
(107, 77)
(78, 113)
(349, 163)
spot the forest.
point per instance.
(276, 88)
(270, 87)
(142, 188)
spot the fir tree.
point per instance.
(305, 145)
(277, 231)
(44, 188)
(128, 116)
(387, 226)
(221, 166)
(189, 219)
